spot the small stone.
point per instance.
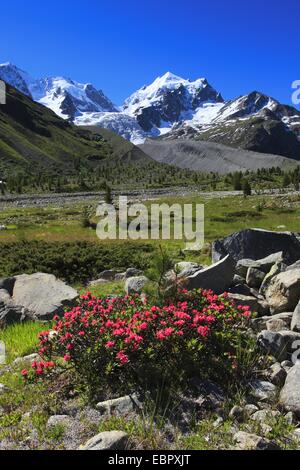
(218, 422)
(108, 440)
(260, 323)
(120, 276)
(262, 390)
(58, 420)
(3, 388)
(275, 324)
(240, 289)
(292, 339)
(277, 374)
(275, 269)
(122, 405)
(250, 409)
(261, 419)
(243, 265)
(98, 282)
(289, 417)
(27, 359)
(135, 284)
(247, 441)
(210, 395)
(237, 412)
(263, 405)
(237, 279)
(263, 416)
(296, 434)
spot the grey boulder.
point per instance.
(217, 277)
(42, 295)
(107, 275)
(290, 393)
(135, 284)
(283, 292)
(256, 244)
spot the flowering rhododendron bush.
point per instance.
(125, 342)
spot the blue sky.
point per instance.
(120, 45)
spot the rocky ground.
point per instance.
(261, 269)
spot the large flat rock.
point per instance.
(42, 295)
(217, 277)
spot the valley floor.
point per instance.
(55, 233)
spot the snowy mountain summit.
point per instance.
(154, 109)
(149, 112)
(170, 106)
(64, 96)
(15, 77)
(170, 99)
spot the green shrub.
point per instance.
(125, 343)
(75, 262)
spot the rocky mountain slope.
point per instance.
(252, 122)
(211, 156)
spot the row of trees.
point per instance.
(147, 176)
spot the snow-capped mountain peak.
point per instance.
(15, 77)
(169, 99)
(64, 96)
(69, 98)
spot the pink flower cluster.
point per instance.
(119, 329)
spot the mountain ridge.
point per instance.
(170, 108)
(34, 139)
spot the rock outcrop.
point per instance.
(256, 244)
